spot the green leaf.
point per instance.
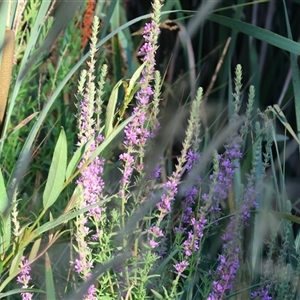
(109, 139)
(276, 110)
(286, 216)
(64, 218)
(131, 88)
(50, 290)
(136, 75)
(295, 72)
(5, 233)
(156, 294)
(3, 195)
(57, 172)
(111, 108)
(19, 291)
(5, 220)
(76, 158)
(35, 249)
(15, 263)
(258, 33)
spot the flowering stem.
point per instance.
(174, 285)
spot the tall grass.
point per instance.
(122, 178)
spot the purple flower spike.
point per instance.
(24, 278)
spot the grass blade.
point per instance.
(5, 226)
(258, 33)
(50, 290)
(295, 76)
(282, 118)
(19, 291)
(3, 195)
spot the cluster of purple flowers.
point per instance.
(261, 294)
(229, 259)
(24, 278)
(90, 183)
(228, 163)
(136, 133)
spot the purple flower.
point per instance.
(155, 173)
(198, 226)
(136, 132)
(226, 272)
(155, 231)
(180, 267)
(164, 206)
(92, 182)
(262, 293)
(192, 159)
(222, 178)
(128, 160)
(189, 200)
(212, 296)
(153, 244)
(24, 277)
(91, 293)
(92, 186)
(229, 260)
(81, 264)
(190, 245)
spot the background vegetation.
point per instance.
(200, 44)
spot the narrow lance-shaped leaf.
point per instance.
(35, 249)
(3, 195)
(7, 295)
(64, 219)
(281, 117)
(111, 107)
(15, 263)
(5, 225)
(258, 33)
(295, 72)
(57, 172)
(131, 88)
(50, 290)
(5, 233)
(76, 158)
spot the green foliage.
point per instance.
(57, 172)
(111, 108)
(3, 195)
(49, 278)
(39, 204)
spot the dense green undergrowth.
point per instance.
(157, 161)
